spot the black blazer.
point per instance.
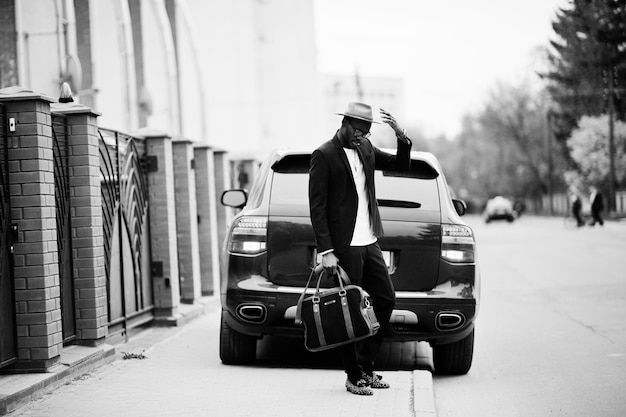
(332, 192)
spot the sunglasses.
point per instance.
(360, 133)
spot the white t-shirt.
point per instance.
(363, 233)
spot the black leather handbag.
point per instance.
(335, 316)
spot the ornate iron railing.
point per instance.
(63, 221)
(124, 205)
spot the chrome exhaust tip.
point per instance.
(253, 313)
(449, 320)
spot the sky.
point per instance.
(450, 53)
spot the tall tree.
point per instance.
(587, 61)
(517, 117)
(589, 148)
(505, 148)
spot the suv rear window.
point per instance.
(415, 189)
(398, 191)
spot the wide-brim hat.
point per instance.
(359, 111)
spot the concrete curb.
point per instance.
(423, 398)
(19, 389)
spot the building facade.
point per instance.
(239, 75)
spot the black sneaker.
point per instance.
(359, 387)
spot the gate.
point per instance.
(8, 351)
(126, 235)
(64, 225)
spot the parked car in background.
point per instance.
(499, 208)
(429, 250)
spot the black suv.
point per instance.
(430, 252)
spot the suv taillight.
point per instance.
(457, 243)
(248, 236)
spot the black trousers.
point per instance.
(366, 267)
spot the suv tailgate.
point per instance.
(410, 211)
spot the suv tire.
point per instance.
(236, 348)
(454, 358)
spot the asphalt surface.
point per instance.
(550, 335)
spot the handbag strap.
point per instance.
(347, 317)
(298, 318)
(318, 324)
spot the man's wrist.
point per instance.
(403, 137)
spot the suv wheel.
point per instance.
(236, 348)
(454, 358)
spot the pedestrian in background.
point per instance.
(577, 206)
(597, 205)
(347, 226)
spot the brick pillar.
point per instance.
(222, 182)
(87, 232)
(207, 220)
(186, 220)
(163, 242)
(33, 210)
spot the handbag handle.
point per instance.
(319, 271)
(342, 277)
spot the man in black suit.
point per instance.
(347, 225)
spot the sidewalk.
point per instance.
(19, 389)
(182, 375)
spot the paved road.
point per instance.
(183, 376)
(551, 334)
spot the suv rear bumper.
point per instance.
(437, 321)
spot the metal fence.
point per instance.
(64, 224)
(126, 235)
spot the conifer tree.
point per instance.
(587, 62)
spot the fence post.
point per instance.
(87, 233)
(186, 220)
(33, 211)
(207, 219)
(163, 241)
(222, 181)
